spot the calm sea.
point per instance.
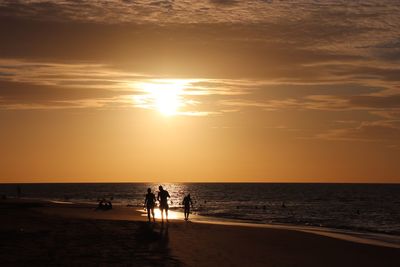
(358, 207)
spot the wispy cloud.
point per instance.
(375, 131)
(185, 11)
(47, 85)
(35, 84)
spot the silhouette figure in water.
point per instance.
(162, 197)
(187, 202)
(150, 202)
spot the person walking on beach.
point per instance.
(150, 202)
(187, 202)
(162, 197)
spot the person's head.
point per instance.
(148, 190)
(161, 188)
(188, 195)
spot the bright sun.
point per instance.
(162, 95)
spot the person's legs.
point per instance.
(152, 213)
(162, 214)
(187, 213)
(148, 213)
(166, 213)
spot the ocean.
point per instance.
(371, 208)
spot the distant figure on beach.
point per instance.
(162, 197)
(104, 205)
(150, 202)
(187, 202)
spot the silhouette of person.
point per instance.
(150, 202)
(187, 202)
(162, 197)
(101, 204)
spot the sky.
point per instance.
(199, 91)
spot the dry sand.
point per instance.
(43, 234)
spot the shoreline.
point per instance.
(370, 238)
(76, 234)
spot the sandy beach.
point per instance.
(57, 234)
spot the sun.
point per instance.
(167, 100)
(163, 95)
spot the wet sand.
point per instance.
(48, 234)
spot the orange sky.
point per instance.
(199, 91)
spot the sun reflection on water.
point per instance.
(172, 215)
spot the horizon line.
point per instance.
(195, 182)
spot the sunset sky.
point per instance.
(207, 90)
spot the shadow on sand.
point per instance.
(155, 237)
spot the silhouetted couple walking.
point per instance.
(150, 202)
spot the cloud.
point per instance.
(224, 2)
(64, 74)
(284, 42)
(51, 84)
(371, 13)
(311, 102)
(382, 131)
(331, 98)
(387, 114)
(390, 101)
(48, 85)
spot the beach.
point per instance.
(60, 234)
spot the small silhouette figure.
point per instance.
(150, 202)
(104, 205)
(187, 202)
(162, 197)
(101, 204)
